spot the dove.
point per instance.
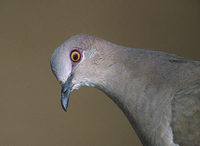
(158, 92)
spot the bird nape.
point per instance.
(158, 92)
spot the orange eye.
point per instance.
(75, 56)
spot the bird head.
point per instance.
(76, 63)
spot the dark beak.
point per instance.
(65, 92)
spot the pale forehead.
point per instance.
(83, 41)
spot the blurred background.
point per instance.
(30, 30)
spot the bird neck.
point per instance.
(126, 80)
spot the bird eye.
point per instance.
(75, 56)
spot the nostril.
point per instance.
(61, 82)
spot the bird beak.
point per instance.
(65, 92)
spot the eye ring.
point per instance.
(75, 56)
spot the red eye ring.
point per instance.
(75, 56)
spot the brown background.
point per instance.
(30, 111)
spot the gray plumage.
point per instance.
(158, 92)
